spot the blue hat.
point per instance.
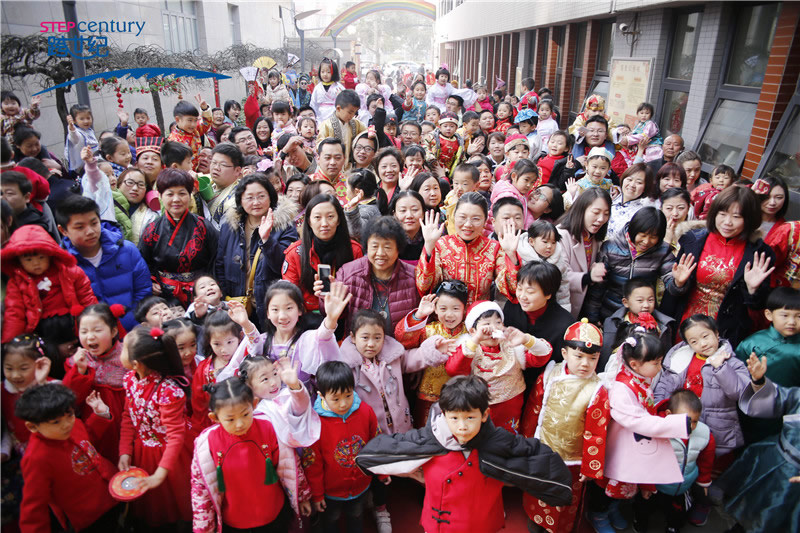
(525, 114)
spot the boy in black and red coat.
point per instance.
(465, 461)
(337, 485)
(61, 468)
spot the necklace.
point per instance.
(381, 288)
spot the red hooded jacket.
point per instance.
(24, 307)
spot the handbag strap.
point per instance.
(252, 276)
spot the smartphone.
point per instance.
(324, 272)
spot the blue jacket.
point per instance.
(122, 276)
(230, 270)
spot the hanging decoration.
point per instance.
(164, 85)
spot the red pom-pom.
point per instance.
(156, 332)
(646, 320)
(75, 310)
(118, 310)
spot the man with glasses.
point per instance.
(226, 170)
(596, 134)
(245, 140)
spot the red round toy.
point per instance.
(123, 485)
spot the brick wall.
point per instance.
(779, 85)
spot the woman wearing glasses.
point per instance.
(364, 150)
(252, 240)
(130, 207)
(469, 255)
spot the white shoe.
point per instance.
(383, 520)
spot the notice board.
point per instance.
(629, 86)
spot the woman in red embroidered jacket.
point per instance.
(153, 435)
(178, 246)
(468, 255)
(234, 482)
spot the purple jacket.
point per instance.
(721, 390)
(403, 299)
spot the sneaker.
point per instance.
(600, 523)
(698, 514)
(618, 521)
(383, 521)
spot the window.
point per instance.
(179, 20)
(233, 16)
(558, 41)
(727, 134)
(544, 41)
(678, 76)
(674, 112)
(576, 98)
(784, 161)
(755, 28)
(684, 47)
(605, 47)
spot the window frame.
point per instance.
(183, 20)
(600, 75)
(581, 29)
(674, 84)
(738, 93)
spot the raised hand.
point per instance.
(755, 275)
(265, 228)
(757, 367)
(200, 308)
(643, 145)
(97, 405)
(238, 313)
(405, 181)
(287, 371)
(354, 201)
(447, 346)
(86, 154)
(572, 188)
(431, 230)
(70, 123)
(570, 161)
(336, 301)
(682, 269)
(201, 102)
(427, 305)
(41, 369)
(515, 337)
(81, 361)
(35, 101)
(123, 117)
(509, 240)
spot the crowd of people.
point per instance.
(275, 307)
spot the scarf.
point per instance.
(326, 251)
(108, 367)
(640, 387)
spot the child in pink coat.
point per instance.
(638, 451)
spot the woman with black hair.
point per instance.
(253, 238)
(262, 131)
(325, 240)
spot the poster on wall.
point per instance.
(629, 87)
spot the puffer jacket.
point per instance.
(231, 270)
(132, 223)
(721, 390)
(122, 276)
(605, 298)
(403, 299)
(383, 380)
(24, 307)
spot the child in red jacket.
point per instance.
(337, 485)
(44, 282)
(61, 468)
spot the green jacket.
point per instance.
(121, 206)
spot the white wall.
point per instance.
(259, 22)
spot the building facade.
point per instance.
(174, 25)
(723, 75)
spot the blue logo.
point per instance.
(132, 73)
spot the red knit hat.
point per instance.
(148, 144)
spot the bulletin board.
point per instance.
(629, 85)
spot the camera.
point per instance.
(623, 27)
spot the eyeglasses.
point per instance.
(452, 286)
(134, 184)
(539, 195)
(219, 164)
(259, 197)
(367, 149)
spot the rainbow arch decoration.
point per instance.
(362, 9)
